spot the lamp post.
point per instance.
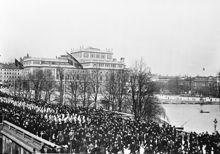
(215, 124)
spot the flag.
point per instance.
(19, 64)
(73, 61)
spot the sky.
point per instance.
(173, 37)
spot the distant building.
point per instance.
(201, 82)
(32, 64)
(97, 59)
(187, 84)
(92, 58)
(163, 79)
(9, 73)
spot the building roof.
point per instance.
(205, 79)
(8, 66)
(91, 49)
(47, 59)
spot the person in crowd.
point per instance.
(93, 130)
(43, 149)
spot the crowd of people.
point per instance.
(89, 130)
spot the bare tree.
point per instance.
(111, 89)
(60, 76)
(37, 79)
(48, 85)
(122, 88)
(85, 87)
(26, 87)
(40, 81)
(218, 85)
(17, 86)
(116, 89)
(95, 84)
(21, 86)
(142, 93)
(73, 88)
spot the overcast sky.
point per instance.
(173, 37)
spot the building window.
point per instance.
(36, 62)
(97, 55)
(45, 62)
(101, 65)
(103, 56)
(109, 56)
(113, 65)
(92, 55)
(86, 55)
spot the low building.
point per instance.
(201, 82)
(9, 73)
(92, 58)
(100, 61)
(32, 64)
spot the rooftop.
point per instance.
(58, 59)
(8, 66)
(91, 49)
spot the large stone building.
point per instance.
(32, 64)
(92, 58)
(197, 84)
(9, 73)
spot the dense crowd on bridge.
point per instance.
(90, 130)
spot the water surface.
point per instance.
(191, 119)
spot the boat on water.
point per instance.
(201, 111)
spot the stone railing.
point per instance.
(26, 139)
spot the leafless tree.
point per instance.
(96, 78)
(21, 86)
(18, 86)
(27, 86)
(218, 86)
(73, 86)
(111, 89)
(60, 75)
(41, 81)
(48, 85)
(122, 88)
(116, 89)
(85, 87)
(37, 79)
(142, 93)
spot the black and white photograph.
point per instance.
(109, 77)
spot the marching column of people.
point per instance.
(90, 130)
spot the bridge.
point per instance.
(15, 140)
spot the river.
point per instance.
(191, 119)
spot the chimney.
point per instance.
(122, 59)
